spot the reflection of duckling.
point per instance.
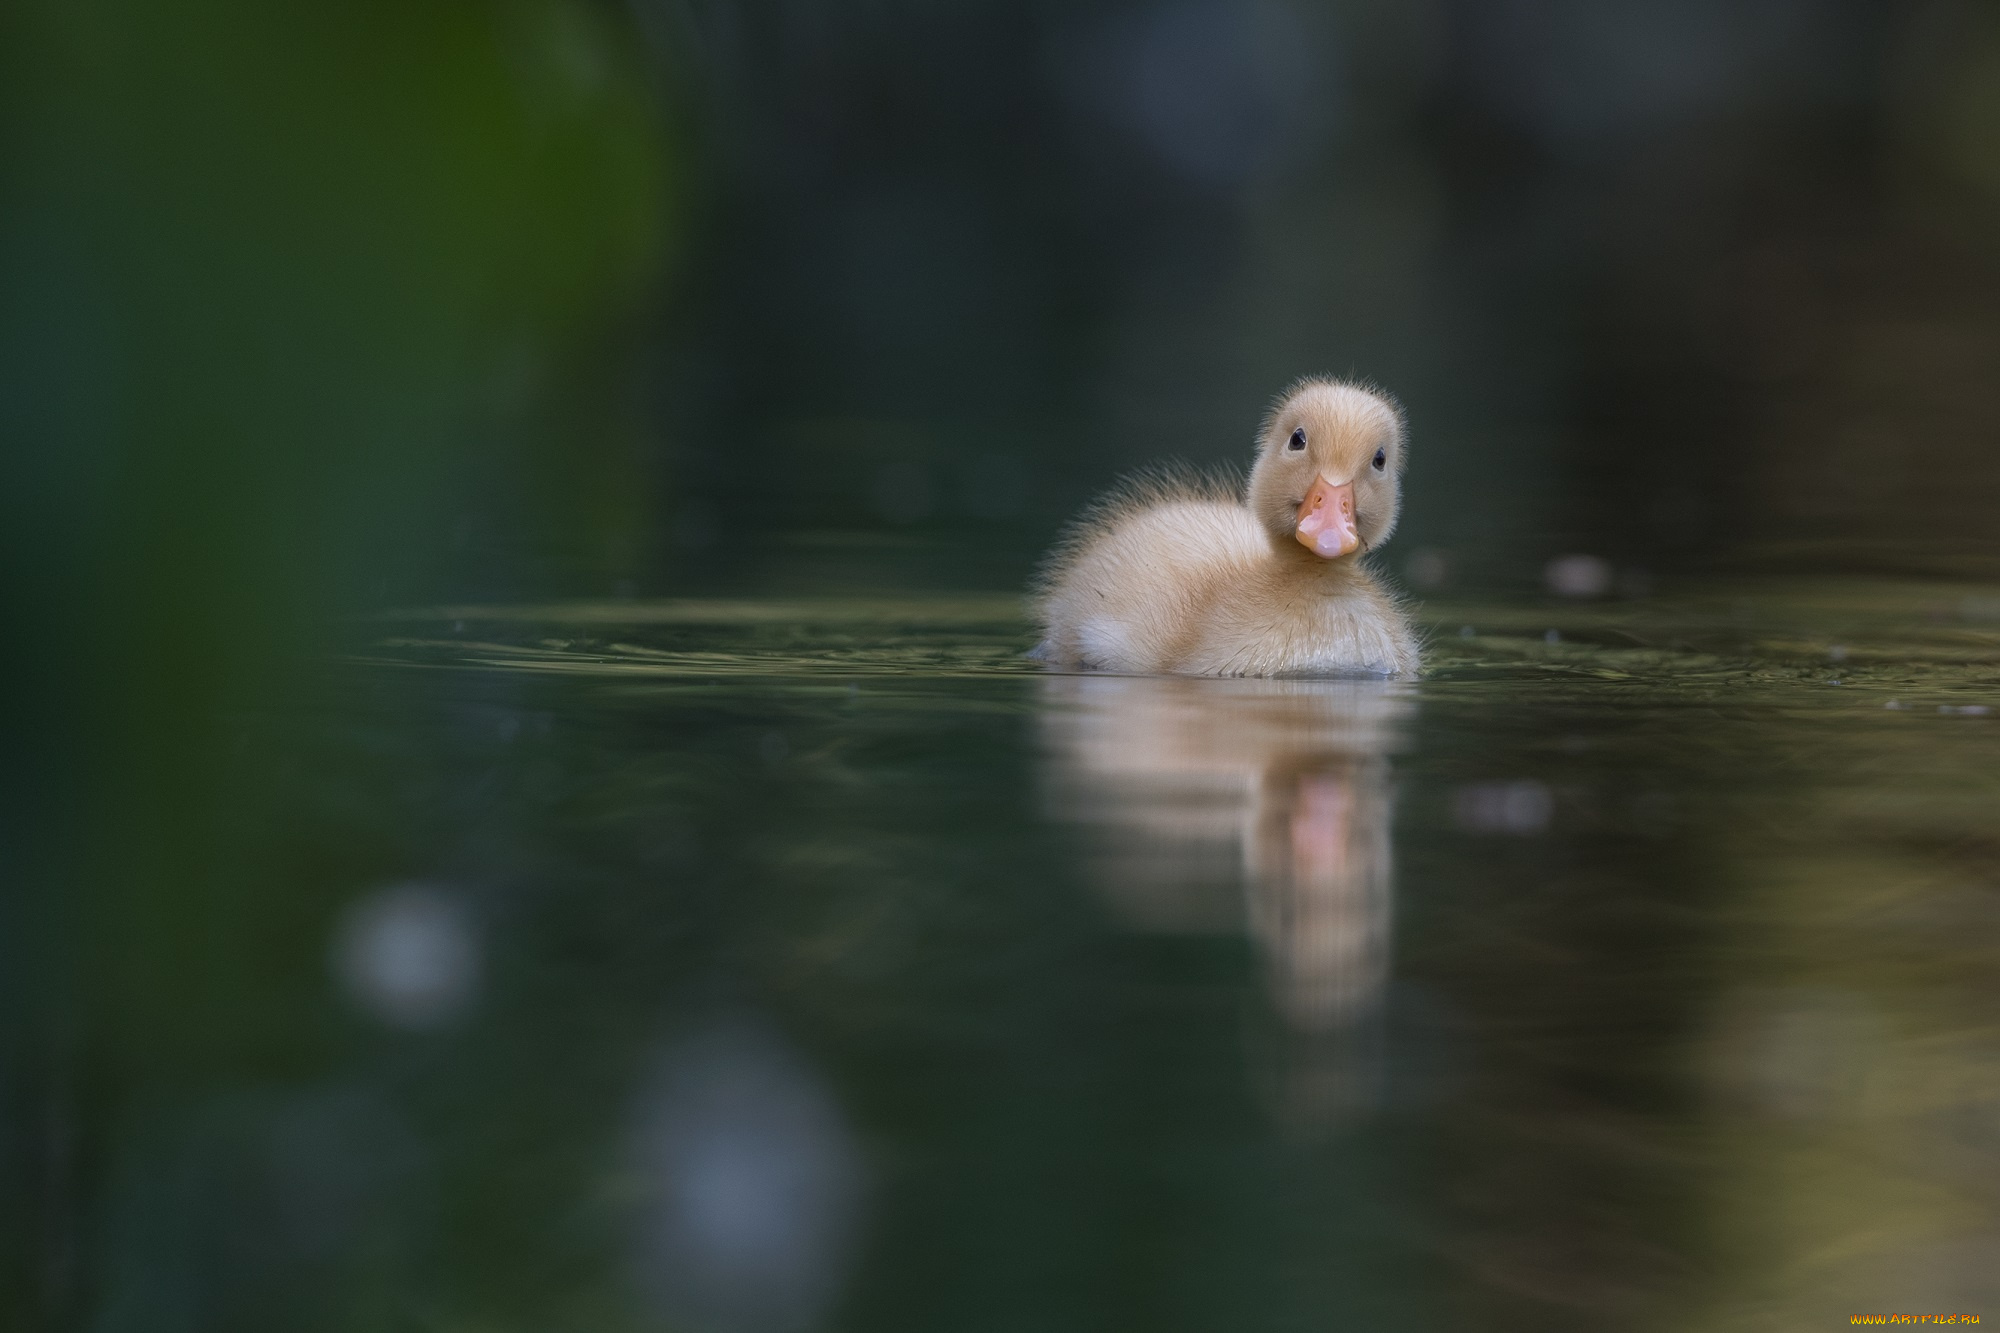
(1280, 787)
(1169, 577)
(1319, 879)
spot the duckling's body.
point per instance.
(1186, 578)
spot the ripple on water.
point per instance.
(1786, 643)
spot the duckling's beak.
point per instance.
(1326, 520)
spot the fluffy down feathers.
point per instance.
(1177, 572)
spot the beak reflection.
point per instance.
(1234, 805)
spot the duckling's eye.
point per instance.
(1381, 459)
(1298, 441)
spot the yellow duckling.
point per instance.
(1187, 578)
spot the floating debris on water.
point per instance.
(1520, 807)
(1578, 576)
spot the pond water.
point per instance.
(760, 965)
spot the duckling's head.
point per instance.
(1329, 468)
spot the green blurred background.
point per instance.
(433, 302)
(310, 312)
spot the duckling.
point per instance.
(1172, 576)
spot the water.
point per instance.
(751, 965)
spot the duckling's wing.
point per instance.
(1127, 597)
(1135, 495)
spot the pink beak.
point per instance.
(1326, 520)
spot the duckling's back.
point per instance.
(1130, 587)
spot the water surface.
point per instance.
(747, 965)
